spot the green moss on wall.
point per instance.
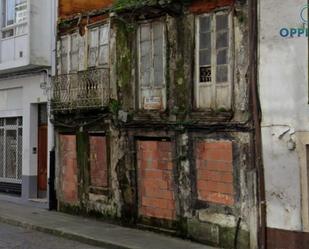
(124, 60)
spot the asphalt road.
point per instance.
(12, 237)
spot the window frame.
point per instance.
(18, 128)
(93, 188)
(214, 85)
(88, 42)
(83, 58)
(5, 27)
(152, 85)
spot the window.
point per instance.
(98, 161)
(213, 61)
(98, 46)
(72, 50)
(11, 149)
(64, 48)
(14, 17)
(151, 66)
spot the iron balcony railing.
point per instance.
(81, 90)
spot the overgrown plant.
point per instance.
(127, 4)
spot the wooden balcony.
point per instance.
(88, 89)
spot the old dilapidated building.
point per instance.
(153, 106)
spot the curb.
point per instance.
(66, 235)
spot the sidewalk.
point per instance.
(88, 230)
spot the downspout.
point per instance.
(257, 114)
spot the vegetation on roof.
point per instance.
(128, 4)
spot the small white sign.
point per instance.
(152, 103)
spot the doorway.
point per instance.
(42, 150)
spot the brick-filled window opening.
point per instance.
(151, 50)
(155, 180)
(98, 161)
(213, 60)
(68, 168)
(214, 171)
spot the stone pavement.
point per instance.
(88, 230)
(13, 237)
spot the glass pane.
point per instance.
(145, 32)
(205, 40)
(205, 57)
(158, 71)
(145, 78)
(222, 22)
(1, 152)
(204, 24)
(21, 11)
(222, 57)
(157, 30)
(145, 62)
(11, 153)
(20, 153)
(158, 47)
(42, 114)
(205, 74)
(8, 33)
(74, 52)
(92, 59)
(94, 38)
(104, 35)
(74, 62)
(158, 61)
(222, 40)
(10, 12)
(222, 73)
(103, 55)
(21, 29)
(11, 121)
(1, 121)
(145, 48)
(64, 64)
(74, 43)
(64, 44)
(19, 2)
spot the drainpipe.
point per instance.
(256, 112)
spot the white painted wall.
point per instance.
(34, 48)
(27, 94)
(283, 83)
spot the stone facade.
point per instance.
(181, 169)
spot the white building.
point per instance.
(283, 82)
(25, 67)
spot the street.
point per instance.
(12, 237)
